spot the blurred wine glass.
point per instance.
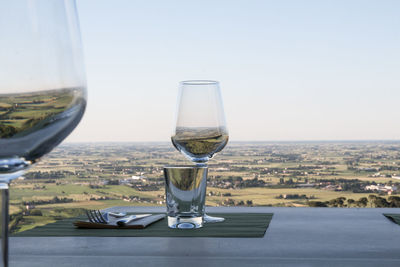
(200, 129)
(42, 86)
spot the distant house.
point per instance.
(381, 188)
(133, 179)
(141, 177)
(29, 206)
(329, 187)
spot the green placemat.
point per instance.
(235, 225)
(393, 217)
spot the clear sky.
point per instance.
(289, 70)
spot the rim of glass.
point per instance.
(199, 82)
(184, 167)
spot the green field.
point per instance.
(87, 176)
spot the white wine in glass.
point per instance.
(199, 144)
(200, 130)
(42, 86)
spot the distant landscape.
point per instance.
(288, 174)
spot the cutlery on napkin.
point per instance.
(139, 222)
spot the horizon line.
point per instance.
(253, 141)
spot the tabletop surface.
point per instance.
(295, 237)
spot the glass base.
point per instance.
(12, 168)
(185, 222)
(211, 219)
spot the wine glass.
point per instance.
(200, 129)
(42, 86)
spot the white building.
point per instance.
(381, 188)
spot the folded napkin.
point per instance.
(137, 224)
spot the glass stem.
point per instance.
(4, 223)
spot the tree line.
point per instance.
(372, 201)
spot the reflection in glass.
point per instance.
(185, 189)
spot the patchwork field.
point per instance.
(94, 176)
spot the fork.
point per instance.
(95, 216)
